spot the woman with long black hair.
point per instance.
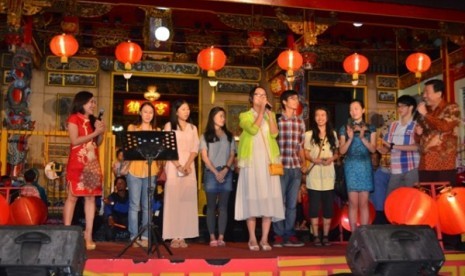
(217, 148)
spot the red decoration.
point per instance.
(128, 53)
(355, 64)
(451, 209)
(4, 210)
(411, 206)
(211, 59)
(345, 216)
(17, 95)
(290, 61)
(278, 85)
(309, 60)
(131, 107)
(256, 40)
(418, 63)
(70, 24)
(64, 46)
(28, 211)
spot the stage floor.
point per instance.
(235, 259)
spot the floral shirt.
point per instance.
(439, 141)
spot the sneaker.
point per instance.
(293, 242)
(278, 241)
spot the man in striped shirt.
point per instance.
(290, 139)
(400, 141)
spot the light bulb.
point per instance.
(162, 33)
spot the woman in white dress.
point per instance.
(180, 218)
(258, 192)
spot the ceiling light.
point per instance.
(357, 24)
(151, 94)
(162, 33)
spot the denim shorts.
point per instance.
(211, 185)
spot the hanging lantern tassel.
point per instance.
(213, 95)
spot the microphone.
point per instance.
(268, 106)
(100, 114)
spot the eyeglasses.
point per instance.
(259, 95)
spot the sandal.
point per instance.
(221, 243)
(253, 246)
(182, 243)
(214, 243)
(265, 246)
(317, 242)
(174, 243)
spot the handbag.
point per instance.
(273, 168)
(276, 169)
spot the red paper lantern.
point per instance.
(345, 216)
(355, 64)
(411, 206)
(418, 63)
(128, 53)
(290, 61)
(211, 59)
(4, 210)
(451, 209)
(28, 211)
(64, 46)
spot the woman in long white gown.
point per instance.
(258, 192)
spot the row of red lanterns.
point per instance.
(213, 59)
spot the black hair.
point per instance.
(30, 175)
(153, 122)
(173, 117)
(329, 129)
(118, 178)
(252, 92)
(210, 133)
(438, 85)
(80, 99)
(408, 101)
(285, 95)
(361, 104)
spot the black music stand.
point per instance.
(149, 145)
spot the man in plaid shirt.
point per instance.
(290, 140)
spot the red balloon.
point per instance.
(4, 210)
(451, 209)
(345, 216)
(299, 110)
(411, 206)
(28, 211)
(334, 220)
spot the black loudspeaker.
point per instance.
(42, 250)
(394, 250)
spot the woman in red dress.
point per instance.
(83, 173)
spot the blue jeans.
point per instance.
(290, 185)
(138, 197)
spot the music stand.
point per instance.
(149, 145)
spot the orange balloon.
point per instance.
(411, 206)
(4, 210)
(28, 211)
(451, 209)
(345, 216)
